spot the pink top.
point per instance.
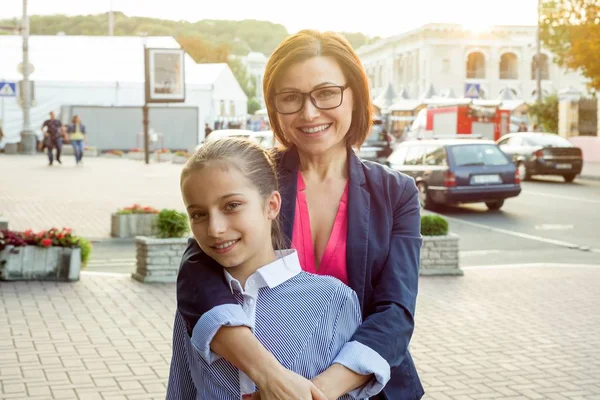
(333, 262)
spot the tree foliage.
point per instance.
(571, 30)
(546, 113)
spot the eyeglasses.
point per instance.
(324, 98)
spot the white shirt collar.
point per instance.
(286, 266)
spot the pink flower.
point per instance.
(46, 242)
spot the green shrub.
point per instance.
(433, 225)
(86, 250)
(172, 224)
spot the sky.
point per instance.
(371, 17)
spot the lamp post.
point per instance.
(538, 55)
(145, 122)
(111, 20)
(27, 136)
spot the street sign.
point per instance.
(8, 89)
(472, 90)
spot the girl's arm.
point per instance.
(388, 329)
(181, 386)
(219, 327)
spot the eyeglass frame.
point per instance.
(312, 100)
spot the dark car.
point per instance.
(537, 153)
(454, 171)
(378, 145)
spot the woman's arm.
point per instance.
(388, 329)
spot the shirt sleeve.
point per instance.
(180, 386)
(354, 355)
(209, 324)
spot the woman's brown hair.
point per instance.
(253, 161)
(305, 45)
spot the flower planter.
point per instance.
(135, 155)
(131, 225)
(161, 157)
(3, 222)
(179, 159)
(439, 255)
(110, 155)
(40, 263)
(158, 260)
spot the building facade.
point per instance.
(453, 60)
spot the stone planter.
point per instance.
(110, 155)
(135, 155)
(3, 222)
(162, 157)
(158, 260)
(11, 148)
(179, 159)
(439, 255)
(131, 225)
(40, 263)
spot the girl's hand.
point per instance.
(288, 385)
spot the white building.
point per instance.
(255, 64)
(108, 71)
(449, 57)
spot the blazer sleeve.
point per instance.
(201, 285)
(389, 327)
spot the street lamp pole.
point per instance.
(111, 20)
(538, 56)
(27, 136)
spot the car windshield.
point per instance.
(477, 154)
(549, 141)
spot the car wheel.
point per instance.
(569, 177)
(424, 197)
(523, 171)
(494, 205)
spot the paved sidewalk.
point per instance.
(495, 333)
(81, 197)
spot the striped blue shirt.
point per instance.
(304, 320)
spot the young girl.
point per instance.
(231, 194)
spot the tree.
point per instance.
(546, 113)
(571, 30)
(203, 51)
(241, 74)
(253, 105)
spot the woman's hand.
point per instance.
(287, 385)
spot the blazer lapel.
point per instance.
(288, 184)
(359, 201)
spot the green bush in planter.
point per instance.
(433, 225)
(172, 224)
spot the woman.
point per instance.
(76, 133)
(357, 221)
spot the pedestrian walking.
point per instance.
(351, 219)
(236, 224)
(77, 137)
(51, 128)
(207, 130)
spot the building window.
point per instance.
(476, 66)
(544, 68)
(509, 66)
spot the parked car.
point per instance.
(263, 138)
(454, 171)
(378, 145)
(537, 153)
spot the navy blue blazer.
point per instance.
(383, 248)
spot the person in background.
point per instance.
(207, 130)
(51, 128)
(77, 138)
(522, 127)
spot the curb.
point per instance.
(589, 177)
(112, 240)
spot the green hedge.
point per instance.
(433, 225)
(172, 224)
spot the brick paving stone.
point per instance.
(494, 333)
